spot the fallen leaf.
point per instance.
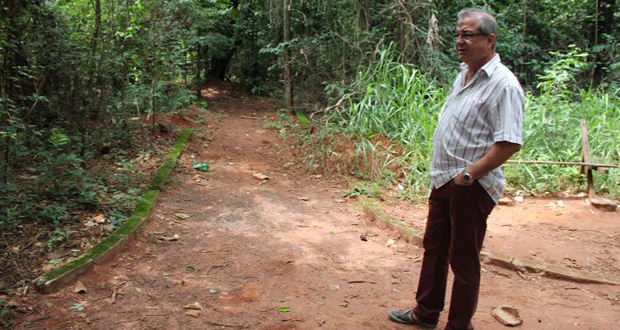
(12, 303)
(47, 267)
(390, 242)
(190, 269)
(168, 238)
(194, 306)
(80, 288)
(284, 309)
(304, 198)
(181, 216)
(100, 218)
(260, 176)
(90, 223)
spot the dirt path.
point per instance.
(251, 250)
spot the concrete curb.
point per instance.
(525, 265)
(114, 244)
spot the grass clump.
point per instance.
(392, 113)
(552, 132)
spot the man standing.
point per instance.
(479, 129)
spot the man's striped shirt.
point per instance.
(486, 110)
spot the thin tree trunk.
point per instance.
(93, 46)
(205, 64)
(152, 106)
(7, 155)
(524, 19)
(288, 89)
(604, 24)
(89, 108)
(199, 63)
(596, 19)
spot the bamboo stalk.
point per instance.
(594, 165)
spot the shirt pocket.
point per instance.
(472, 112)
(464, 119)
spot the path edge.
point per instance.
(115, 243)
(372, 208)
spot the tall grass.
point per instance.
(393, 112)
(552, 133)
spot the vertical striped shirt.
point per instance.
(487, 109)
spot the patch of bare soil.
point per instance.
(285, 252)
(564, 232)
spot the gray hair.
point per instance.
(488, 24)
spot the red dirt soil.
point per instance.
(286, 253)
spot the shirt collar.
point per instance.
(488, 68)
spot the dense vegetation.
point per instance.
(75, 76)
(397, 101)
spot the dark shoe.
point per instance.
(406, 316)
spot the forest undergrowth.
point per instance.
(391, 111)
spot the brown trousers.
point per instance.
(455, 230)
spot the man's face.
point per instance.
(472, 47)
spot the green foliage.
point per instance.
(58, 236)
(374, 191)
(76, 74)
(118, 216)
(303, 120)
(564, 68)
(7, 314)
(72, 81)
(58, 139)
(393, 109)
(552, 131)
(392, 101)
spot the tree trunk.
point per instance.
(288, 89)
(93, 53)
(205, 64)
(89, 107)
(199, 63)
(152, 106)
(604, 24)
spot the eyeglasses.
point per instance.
(467, 35)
